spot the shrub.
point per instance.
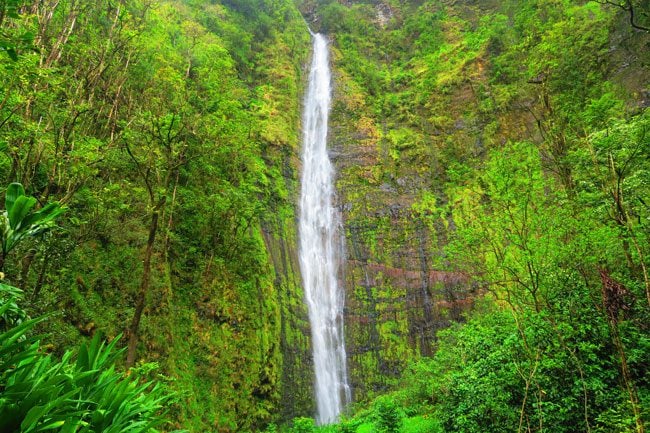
(81, 394)
(387, 415)
(303, 425)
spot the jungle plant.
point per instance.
(387, 415)
(82, 393)
(19, 219)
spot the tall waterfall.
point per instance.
(320, 245)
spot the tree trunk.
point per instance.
(627, 380)
(144, 288)
(26, 266)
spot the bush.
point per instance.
(387, 415)
(79, 394)
(303, 425)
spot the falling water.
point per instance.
(320, 244)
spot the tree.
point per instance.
(165, 135)
(637, 11)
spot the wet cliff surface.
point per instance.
(422, 93)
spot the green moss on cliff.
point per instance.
(424, 92)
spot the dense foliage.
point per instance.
(169, 130)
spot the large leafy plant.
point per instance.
(82, 393)
(20, 219)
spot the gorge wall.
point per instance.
(423, 92)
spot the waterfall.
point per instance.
(320, 245)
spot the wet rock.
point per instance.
(386, 187)
(645, 99)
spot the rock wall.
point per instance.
(397, 295)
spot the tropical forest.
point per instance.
(324, 216)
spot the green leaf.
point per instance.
(32, 417)
(94, 350)
(20, 209)
(44, 216)
(14, 191)
(52, 426)
(82, 358)
(10, 290)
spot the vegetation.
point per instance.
(82, 393)
(169, 131)
(41, 394)
(493, 174)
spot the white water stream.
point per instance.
(320, 244)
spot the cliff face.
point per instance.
(398, 291)
(423, 92)
(296, 374)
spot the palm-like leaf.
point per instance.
(82, 395)
(19, 220)
(19, 211)
(14, 191)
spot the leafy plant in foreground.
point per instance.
(76, 394)
(19, 219)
